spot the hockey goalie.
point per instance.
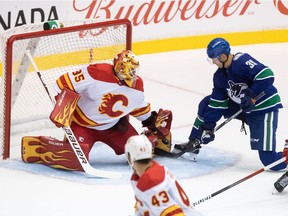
(96, 101)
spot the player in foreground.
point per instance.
(156, 190)
(239, 78)
(96, 102)
(282, 182)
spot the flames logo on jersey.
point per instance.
(235, 90)
(112, 103)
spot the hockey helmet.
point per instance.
(126, 67)
(138, 147)
(217, 47)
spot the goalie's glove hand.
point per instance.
(247, 102)
(159, 123)
(163, 122)
(207, 136)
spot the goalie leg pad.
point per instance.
(164, 143)
(51, 152)
(151, 136)
(158, 141)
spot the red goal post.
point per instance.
(24, 104)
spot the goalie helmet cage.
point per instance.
(56, 51)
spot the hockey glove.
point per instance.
(163, 122)
(206, 133)
(207, 136)
(64, 108)
(247, 102)
(285, 151)
(159, 123)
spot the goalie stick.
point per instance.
(161, 152)
(72, 139)
(240, 181)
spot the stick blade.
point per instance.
(92, 172)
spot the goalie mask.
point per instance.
(126, 67)
(138, 148)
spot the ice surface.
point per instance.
(175, 81)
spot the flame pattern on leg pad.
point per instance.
(51, 152)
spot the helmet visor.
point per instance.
(215, 60)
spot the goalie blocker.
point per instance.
(64, 108)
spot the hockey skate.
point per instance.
(191, 147)
(281, 183)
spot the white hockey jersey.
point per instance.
(158, 193)
(103, 98)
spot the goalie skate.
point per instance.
(281, 183)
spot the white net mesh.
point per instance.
(53, 55)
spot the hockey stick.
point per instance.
(177, 155)
(240, 181)
(237, 113)
(72, 139)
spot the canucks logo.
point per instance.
(235, 90)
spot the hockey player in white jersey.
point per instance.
(157, 192)
(96, 102)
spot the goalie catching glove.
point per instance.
(64, 108)
(159, 123)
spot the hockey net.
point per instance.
(24, 103)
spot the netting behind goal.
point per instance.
(23, 98)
